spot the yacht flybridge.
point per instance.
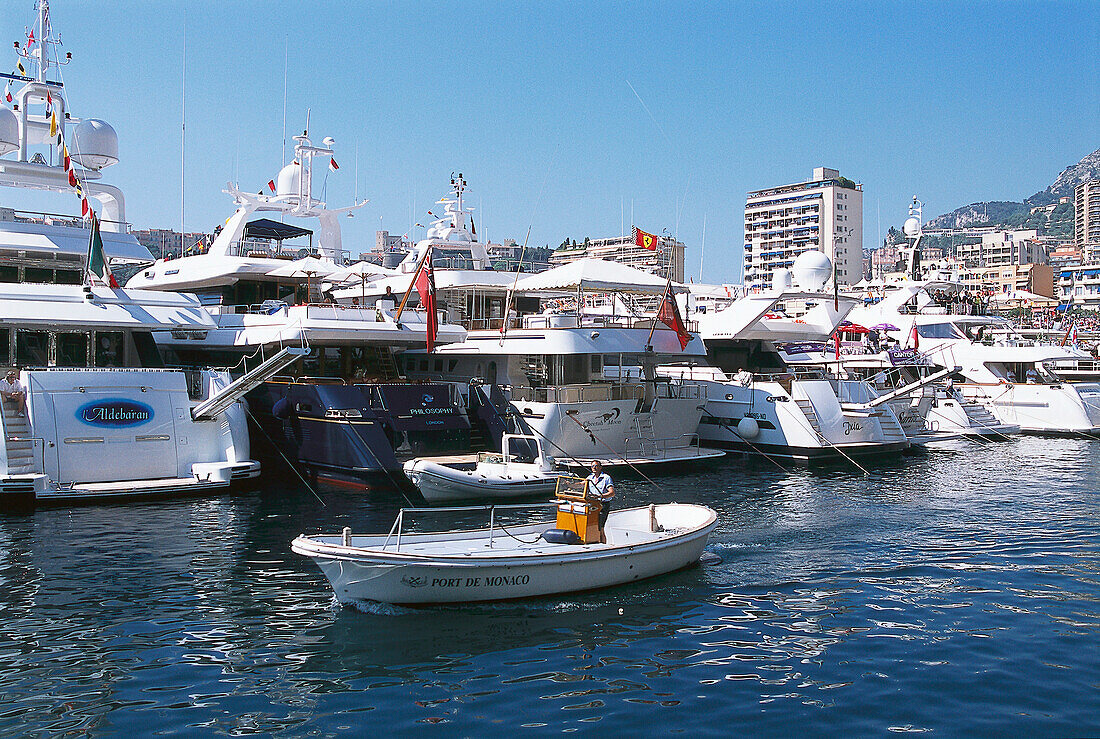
(574, 363)
(101, 417)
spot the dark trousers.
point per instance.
(605, 508)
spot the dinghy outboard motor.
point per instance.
(561, 536)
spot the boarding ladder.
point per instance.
(18, 443)
(234, 391)
(646, 439)
(811, 414)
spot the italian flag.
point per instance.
(99, 272)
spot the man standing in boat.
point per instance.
(599, 485)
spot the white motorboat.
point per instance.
(501, 563)
(519, 470)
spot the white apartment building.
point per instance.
(1002, 248)
(824, 213)
(622, 249)
(1086, 219)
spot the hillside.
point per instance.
(1014, 215)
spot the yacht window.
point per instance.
(438, 366)
(72, 350)
(68, 277)
(937, 331)
(109, 348)
(38, 274)
(147, 352)
(597, 364)
(423, 365)
(5, 347)
(410, 363)
(9, 274)
(451, 365)
(32, 348)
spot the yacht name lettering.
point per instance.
(495, 581)
(430, 411)
(850, 426)
(114, 412)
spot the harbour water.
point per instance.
(956, 592)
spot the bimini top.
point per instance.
(596, 274)
(265, 228)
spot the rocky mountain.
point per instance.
(1010, 214)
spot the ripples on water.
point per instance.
(956, 592)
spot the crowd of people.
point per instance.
(963, 303)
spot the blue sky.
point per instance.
(952, 102)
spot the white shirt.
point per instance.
(10, 387)
(599, 484)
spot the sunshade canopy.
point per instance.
(598, 275)
(265, 228)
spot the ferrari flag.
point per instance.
(645, 240)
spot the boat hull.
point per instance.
(358, 574)
(440, 483)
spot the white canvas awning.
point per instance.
(596, 275)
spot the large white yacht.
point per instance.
(762, 395)
(102, 418)
(567, 349)
(1014, 378)
(345, 412)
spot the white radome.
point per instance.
(9, 131)
(812, 270)
(95, 144)
(288, 180)
(781, 279)
(911, 227)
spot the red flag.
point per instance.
(669, 314)
(333, 165)
(271, 185)
(72, 178)
(425, 286)
(836, 338)
(915, 336)
(644, 240)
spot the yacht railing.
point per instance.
(396, 530)
(55, 219)
(263, 249)
(588, 393)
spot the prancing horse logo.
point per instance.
(610, 416)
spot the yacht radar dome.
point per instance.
(911, 226)
(289, 180)
(95, 144)
(781, 279)
(812, 270)
(9, 131)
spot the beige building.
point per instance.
(622, 249)
(824, 213)
(1003, 247)
(1086, 219)
(1032, 278)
